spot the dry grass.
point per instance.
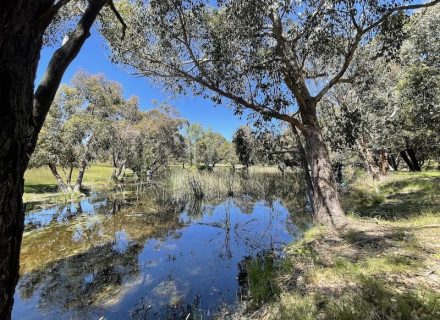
(222, 182)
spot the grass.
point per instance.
(189, 183)
(399, 195)
(387, 266)
(260, 274)
(222, 182)
(40, 185)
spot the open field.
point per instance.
(40, 185)
(386, 267)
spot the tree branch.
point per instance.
(118, 16)
(58, 64)
(46, 18)
(361, 32)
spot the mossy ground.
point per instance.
(40, 185)
(386, 266)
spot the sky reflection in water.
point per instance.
(120, 260)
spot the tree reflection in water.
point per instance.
(149, 257)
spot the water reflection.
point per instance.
(142, 258)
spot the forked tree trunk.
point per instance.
(415, 162)
(370, 164)
(408, 155)
(118, 171)
(326, 202)
(63, 187)
(80, 178)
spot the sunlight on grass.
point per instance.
(382, 268)
(40, 185)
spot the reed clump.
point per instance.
(209, 185)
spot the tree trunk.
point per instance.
(61, 185)
(383, 162)
(121, 172)
(79, 179)
(415, 162)
(326, 202)
(305, 166)
(69, 176)
(22, 25)
(20, 44)
(408, 155)
(118, 168)
(370, 164)
(393, 162)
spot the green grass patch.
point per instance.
(386, 268)
(261, 286)
(400, 195)
(40, 185)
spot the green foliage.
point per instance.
(156, 141)
(245, 145)
(391, 105)
(211, 148)
(262, 287)
(77, 129)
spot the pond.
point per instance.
(109, 257)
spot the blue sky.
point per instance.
(93, 58)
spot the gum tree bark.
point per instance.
(383, 162)
(370, 164)
(63, 187)
(80, 177)
(326, 202)
(305, 166)
(22, 25)
(20, 44)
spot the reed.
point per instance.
(186, 184)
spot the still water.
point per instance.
(143, 258)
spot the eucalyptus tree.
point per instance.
(228, 154)
(391, 107)
(212, 148)
(157, 141)
(123, 135)
(419, 89)
(276, 58)
(193, 133)
(24, 28)
(245, 145)
(419, 118)
(361, 116)
(80, 125)
(54, 146)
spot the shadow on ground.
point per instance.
(396, 199)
